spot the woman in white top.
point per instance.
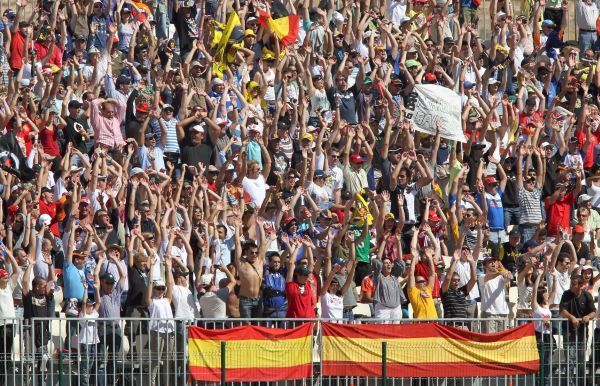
(525, 280)
(88, 330)
(332, 297)
(7, 310)
(540, 304)
(162, 327)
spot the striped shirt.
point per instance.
(107, 131)
(530, 204)
(172, 144)
(455, 303)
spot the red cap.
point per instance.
(288, 220)
(578, 229)
(433, 216)
(142, 107)
(356, 158)
(490, 180)
(430, 77)
(84, 200)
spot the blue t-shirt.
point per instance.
(73, 281)
(495, 210)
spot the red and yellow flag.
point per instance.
(427, 349)
(252, 353)
(285, 28)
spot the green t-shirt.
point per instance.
(363, 249)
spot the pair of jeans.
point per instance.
(7, 337)
(512, 216)
(587, 40)
(497, 236)
(110, 343)
(527, 231)
(251, 307)
(89, 359)
(545, 343)
(575, 346)
(162, 350)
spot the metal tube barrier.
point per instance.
(129, 351)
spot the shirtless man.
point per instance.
(249, 262)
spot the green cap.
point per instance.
(368, 80)
(412, 63)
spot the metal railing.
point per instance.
(132, 351)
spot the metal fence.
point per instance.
(133, 352)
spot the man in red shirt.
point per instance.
(298, 292)
(46, 48)
(50, 207)
(21, 39)
(558, 207)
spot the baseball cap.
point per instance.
(307, 136)
(469, 84)
(198, 128)
(412, 63)
(142, 107)
(490, 180)
(514, 232)
(93, 50)
(46, 189)
(206, 279)
(548, 23)
(584, 197)
(213, 169)
(586, 267)
(168, 107)
(389, 216)
(578, 229)
(123, 79)
(356, 158)
(546, 144)
(108, 277)
(75, 104)
(135, 171)
(301, 271)
(289, 220)
(159, 283)
(3, 273)
(488, 258)
(319, 174)
(249, 32)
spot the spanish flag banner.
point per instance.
(426, 349)
(252, 353)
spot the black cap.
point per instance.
(123, 79)
(75, 104)
(46, 189)
(448, 40)
(108, 277)
(23, 24)
(301, 270)
(80, 37)
(514, 232)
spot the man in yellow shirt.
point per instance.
(420, 289)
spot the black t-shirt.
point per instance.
(578, 306)
(347, 100)
(510, 197)
(582, 253)
(509, 256)
(37, 307)
(455, 303)
(192, 154)
(138, 286)
(71, 135)
(186, 29)
(552, 164)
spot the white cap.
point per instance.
(337, 18)
(198, 128)
(206, 279)
(492, 81)
(583, 197)
(159, 283)
(216, 81)
(44, 219)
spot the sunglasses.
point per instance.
(420, 281)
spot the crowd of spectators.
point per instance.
(159, 159)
